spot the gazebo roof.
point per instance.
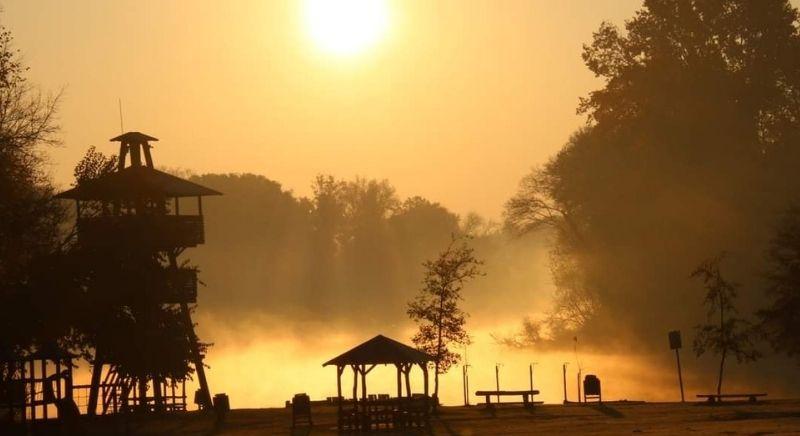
(136, 182)
(380, 350)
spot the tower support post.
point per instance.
(205, 394)
(94, 387)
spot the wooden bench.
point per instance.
(714, 398)
(527, 396)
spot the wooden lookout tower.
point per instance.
(136, 210)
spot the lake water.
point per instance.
(268, 371)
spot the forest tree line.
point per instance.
(691, 149)
(352, 252)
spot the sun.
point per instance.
(346, 27)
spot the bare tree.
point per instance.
(436, 311)
(535, 207)
(29, 220)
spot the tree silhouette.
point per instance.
(780, 321)
(691, 139)
(436, 309)
(724, 334)
(94, 164)
(30, 231)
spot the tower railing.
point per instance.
(153, 231)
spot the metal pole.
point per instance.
(465, 382)
(680, 376)
(465, 377)
(497, 380)
(564, 369)
(530, 374)
(579, 385)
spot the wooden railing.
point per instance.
(114, 399)
(152, 231)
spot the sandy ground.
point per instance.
(763, 418)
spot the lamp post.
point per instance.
(465, 380)
(530, 372)
(497, 379)
(580, 368)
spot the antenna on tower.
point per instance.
(121, 127)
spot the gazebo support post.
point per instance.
(364, 372)
(425, 376)
(364, 382)
(339, 371)
(406, 371)
(399, 382)
(355, 383)
(428, 402)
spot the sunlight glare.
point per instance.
(346, 27)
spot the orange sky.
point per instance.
(456, 103)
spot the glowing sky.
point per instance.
(454, 100)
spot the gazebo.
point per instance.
(368, 411)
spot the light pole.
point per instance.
(497, 379)
(564, 369)
(530, 372)
(465, 380)
(580, 368)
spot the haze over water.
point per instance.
(267, 372)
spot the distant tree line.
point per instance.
(352, 252)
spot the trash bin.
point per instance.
(591, 388)
(222, 406)
(222, 403)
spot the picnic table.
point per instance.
(714, 398)
(527, 396)
(383, 412)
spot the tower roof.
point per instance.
(136, 182)
(133, 137)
